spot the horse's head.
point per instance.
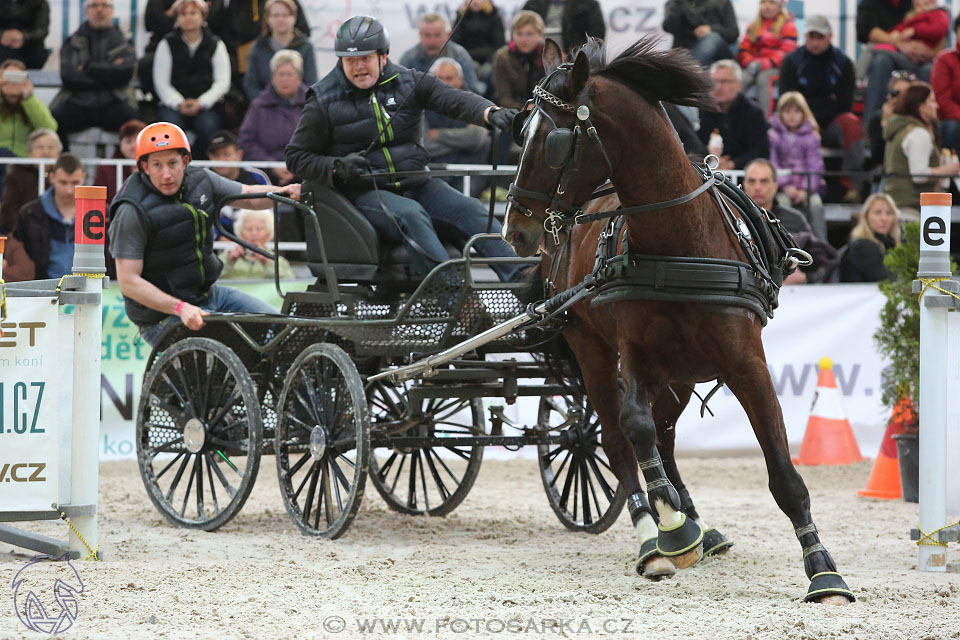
(562, 160)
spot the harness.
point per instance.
(753, 285)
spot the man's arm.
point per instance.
(73, 75)
(788, 75)
(679, 16)
(304, 153)
(436, 96)
(117, 70)
(134, 286)
(469, 67)
(756, 144)
(728, 28)
(868, 29)
(41, 25)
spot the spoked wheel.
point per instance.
(581, 487)
(198, 433)
(431, 479)
(322, 441)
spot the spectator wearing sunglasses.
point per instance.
(899, 80)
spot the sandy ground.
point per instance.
(500, 566)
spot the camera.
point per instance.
(14, 76)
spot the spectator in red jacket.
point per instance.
(926, 23)
(768, 39)
(945, 79)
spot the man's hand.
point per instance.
(283, 176)
(433, 134)
(702, 30)
(192, 316)
(501, 118)
(12, 38)
(726, 164)
(796, 196)
(351, 166)
(189, 107)
(291, 190)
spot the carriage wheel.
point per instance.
(429, 480)
(322, 441)
(198, 433)
(581, 487)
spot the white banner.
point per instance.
(34, 436)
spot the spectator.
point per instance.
(708, 28)
(434, 32)
(481, 34)
(245, 25)
(795, 145)
(278, 33)
(741, 124)
(876, 22)
(273, 115)
(256, 227)
(926, 23)
(106, 175)
(21, 112)
(899, 81)
(160, 19)
(17, 265)
(912, 148)
(96, 67)
(876, 232)
(23, 28)
(945, 79)
(769, 38)
(20, 185)
(518, 67)
(825, 77)
(191, 72)
(760, 183)
(225, 148)
(45, 225)
(451, 140)
(570, 22)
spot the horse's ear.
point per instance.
(577, 78)
(552, 56)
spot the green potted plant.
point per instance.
(898, 338)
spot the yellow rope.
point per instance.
(93, 552)
(929, 536)
(931, 283)
(85, 275)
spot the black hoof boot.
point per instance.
(828, 583)
(681, 543)
(715, 543)
(657, 570)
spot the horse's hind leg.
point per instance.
(666, 412)
(750, 382)
(679, 538)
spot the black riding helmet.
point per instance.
(359, 36)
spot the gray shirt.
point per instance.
(128, 236)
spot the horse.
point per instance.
(592, 121)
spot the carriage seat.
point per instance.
(354, 251)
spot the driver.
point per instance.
(364, 117)
(162, 236)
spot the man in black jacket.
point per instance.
(578, 19)
(706, 27)
(365, 116)
(96, 67)
(23, 28)
(740, 123)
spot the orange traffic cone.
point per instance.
(829, 438)
(884, 479)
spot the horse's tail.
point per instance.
(547, 344)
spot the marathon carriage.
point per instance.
(302, 386)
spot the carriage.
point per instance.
(299, 386)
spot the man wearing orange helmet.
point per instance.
(162, 236)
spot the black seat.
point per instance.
(354, 251)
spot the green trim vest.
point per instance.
(904, 191)
(179, 257)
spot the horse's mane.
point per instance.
(670, 76)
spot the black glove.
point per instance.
(351, 166)
(502, 118)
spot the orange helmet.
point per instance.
(161, 136)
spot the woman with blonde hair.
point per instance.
(255, 227)
(876, 232)
(517, 67)
(279, 33)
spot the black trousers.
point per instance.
(32, 54)
(72, 118)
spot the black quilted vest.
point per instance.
(179, 257)
(192, 75)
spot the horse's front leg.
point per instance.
(666, 412)
(750, 382)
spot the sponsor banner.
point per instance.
(35, 391)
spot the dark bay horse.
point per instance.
(606, 122)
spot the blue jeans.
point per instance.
(950, 133)
(220, 299)
(204, 124)
(883, 64)
(424, 210)
(710, 48)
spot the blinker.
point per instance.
(559, 147)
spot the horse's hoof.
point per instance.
(652, 565)
(681, 543)
(715, 543)
(828, 587)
